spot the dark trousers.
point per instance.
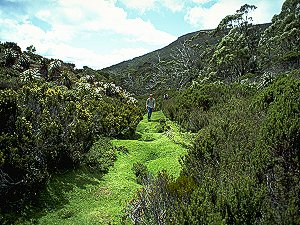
(149, 112)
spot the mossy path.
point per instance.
(101, 200)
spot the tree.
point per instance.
(13, 46)
(10, 57)
(235, 55)
(279, 46)
(180, 69)
(31, 49)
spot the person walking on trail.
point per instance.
(150, 106)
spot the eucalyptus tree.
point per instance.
(23, 61)
(235, 54)
(31, 49)
(184, 68)
(54, 69)
(180, 69)
(280, 44)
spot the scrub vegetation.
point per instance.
(222, 149)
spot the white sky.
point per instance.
(100, 33)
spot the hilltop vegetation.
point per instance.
(177, 65)
(236, 50)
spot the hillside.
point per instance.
(164, 53)
(154, 72)
(142, 74)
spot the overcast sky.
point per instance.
(100, 33)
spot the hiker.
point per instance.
(166, 96)
(150, 106)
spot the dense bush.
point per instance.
(191, 107)
(59, 119)
(141, 172)
(279, 44)
(280, 138)
(243, 167)
(101, 155)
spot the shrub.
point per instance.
(101, 155)
(8, 110)
(219, 183)
(280, 138)
(48, 128)
(141, 172)
(191, 108)
(153, 203)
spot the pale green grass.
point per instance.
(89, 199)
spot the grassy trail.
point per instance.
(100, 200)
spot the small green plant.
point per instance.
(147, 137)
(141, 172)
(101, 156)
(122, 149)
(65, 213)
(161, 127)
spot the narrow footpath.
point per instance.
(102, 200)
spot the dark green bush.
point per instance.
(154, 204)
(280, 139)
(191, 108)
(141, 172)
(243, 167)
(47, 127)
(101, 155)
(8, 110)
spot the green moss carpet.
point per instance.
(89, 199)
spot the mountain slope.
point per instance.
(171, 67)
(163, 53)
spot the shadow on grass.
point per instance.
(55, 196)
(156, 120)
(137, 136)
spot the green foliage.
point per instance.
(153, 204)
(8, 109)
(93, 198)
(191, 107)
(141, 172)
(243, 167)
(220, 163)
(52, 121)
(172, 67)
(279, 45)
(101, 156)
(10, 57)
(182, 187)
(236, 54)
(31, 49)
(54, 69)
(280, 138)
(235, 48)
